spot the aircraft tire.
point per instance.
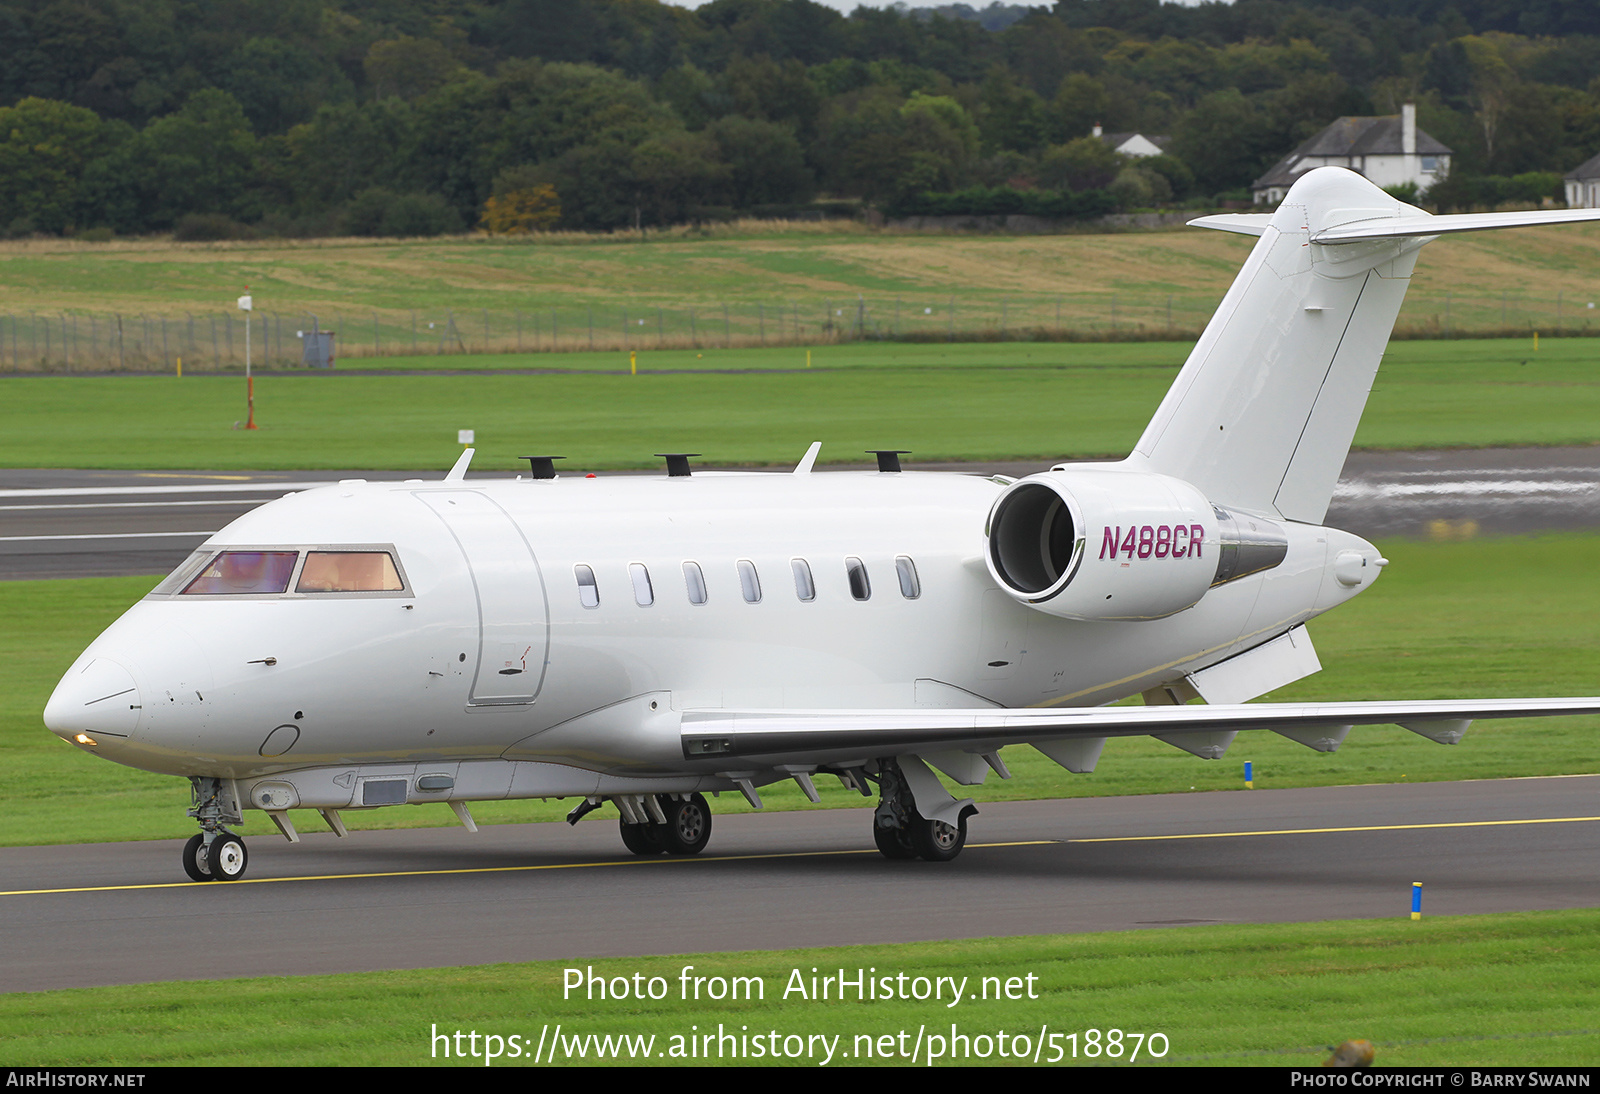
(892, 842)
(936, 841)
(192, 863)
(227, 858)
(688, 827)
(641, 839)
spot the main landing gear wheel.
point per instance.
(642, 839)
(194, 858)
(227, 858)
(902, 832)
(688, 826)
(892, 842)
(936, 841)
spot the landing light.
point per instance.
(85, 739)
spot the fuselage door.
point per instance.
(513, 617)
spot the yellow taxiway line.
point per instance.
(791, 854)
(1324, 831)
(486, 869)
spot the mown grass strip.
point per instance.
(1034, 401)
(1517, 989)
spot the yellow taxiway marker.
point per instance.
(1321, 831)
(484, 870)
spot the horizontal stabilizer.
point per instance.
(1393, 227)
(826, 736)
(1245, 224)
(1384, 225)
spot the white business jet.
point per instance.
(644, 641)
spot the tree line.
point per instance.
(412, 117)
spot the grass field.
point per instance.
(909, 282)
(943, 402)
(1475, 619)
(1506, 990)
(750, 264)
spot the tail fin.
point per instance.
(1263, 412)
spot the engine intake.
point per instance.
(1104, 543)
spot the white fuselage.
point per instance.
(490, 652)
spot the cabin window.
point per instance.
(588, 591)
(245, 572)
(643, 594)
(856, 571)
(749, 581)
(348, 572)
(804, 587)
(695, 582)
(906, 570)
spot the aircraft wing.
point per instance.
(776, 737)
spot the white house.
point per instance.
(1583, 185)
(1132, 144)
(1389, 151)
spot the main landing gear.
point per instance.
(676, 824)
(903, 833)
(214, 853)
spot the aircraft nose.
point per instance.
(98, 699)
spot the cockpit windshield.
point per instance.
(291, 572)
(348, 572)
(245, 572)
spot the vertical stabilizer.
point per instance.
(1263, 412)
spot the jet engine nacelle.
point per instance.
(1106, 544)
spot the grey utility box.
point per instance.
(317, 350)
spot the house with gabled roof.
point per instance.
(1583, 185)
(1389, 151)
(1132, 144)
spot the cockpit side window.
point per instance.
(234, 572)
(178, 579)
(348, 572)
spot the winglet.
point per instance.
(809, 460)
(458, 473)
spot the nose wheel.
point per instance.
(214, 853)
(224, 859)
(196, 862)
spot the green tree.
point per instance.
(1084, 164)
(1081, 103)
(408, 68)
(1013, 118)
(198, 160)
(1226, 142)
(45, 149)
(765, 163)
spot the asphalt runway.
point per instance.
(68, 523)
(125, 913)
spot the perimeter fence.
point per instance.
(216, 341)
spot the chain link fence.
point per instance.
(211, 342)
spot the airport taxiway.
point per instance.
(115, 913)
(78, 523)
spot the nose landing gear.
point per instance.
(214, 853)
